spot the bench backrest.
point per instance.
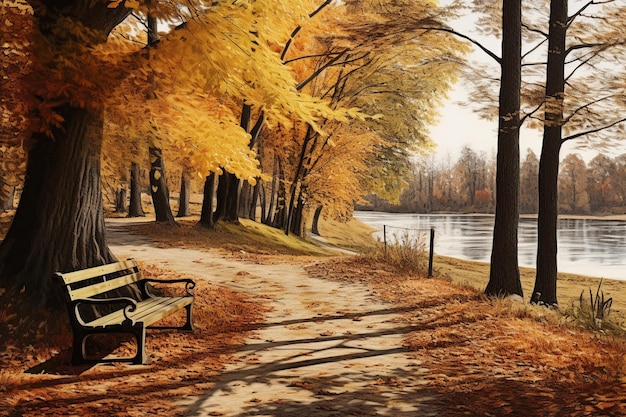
(91, 282)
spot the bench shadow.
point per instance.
(108, 349)
(60, 365)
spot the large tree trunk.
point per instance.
(545, 280)
(158, 188)
(504, 278)
(546, 273)
(135, 208)
(59, 223)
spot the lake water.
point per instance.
(586, 246)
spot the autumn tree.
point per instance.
(504, 272)
(601, 191)
(345, 70)
(584, 113)
(404, 81)
(59, 223)
(471, 173)
(573, 196)
(83, 65)
(618, 180)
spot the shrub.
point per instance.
(593, 312)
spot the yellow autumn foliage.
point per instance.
(188, 88)
(366, 57)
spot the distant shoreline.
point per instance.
(617, 217)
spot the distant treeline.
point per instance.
(468, 185)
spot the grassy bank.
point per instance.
(357, 236)
(569, 286)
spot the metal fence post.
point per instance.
(432, 253)
(385, 237)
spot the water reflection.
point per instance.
(586, 246)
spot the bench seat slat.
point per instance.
(102, 287)
(148, 311)
(76, 276)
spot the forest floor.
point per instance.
(286, 334)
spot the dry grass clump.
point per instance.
(406, 255)
(594, 312)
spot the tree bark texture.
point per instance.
(504, 277)
(59, 223)
(545, 280)
(158, 188)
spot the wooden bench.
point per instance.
(91, 291)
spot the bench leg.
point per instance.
(79, 354)
(78, 348)
(140, 336)
(189, 324)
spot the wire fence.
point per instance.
(425, 237)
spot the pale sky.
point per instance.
(460, 126)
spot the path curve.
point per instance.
(326, 349)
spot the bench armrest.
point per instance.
(190, 284)
(129, 306)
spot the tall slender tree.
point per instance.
(545, 282)
(504, 278)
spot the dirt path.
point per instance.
(327, 348)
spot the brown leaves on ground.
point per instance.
(37, 380)
(497, 357)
